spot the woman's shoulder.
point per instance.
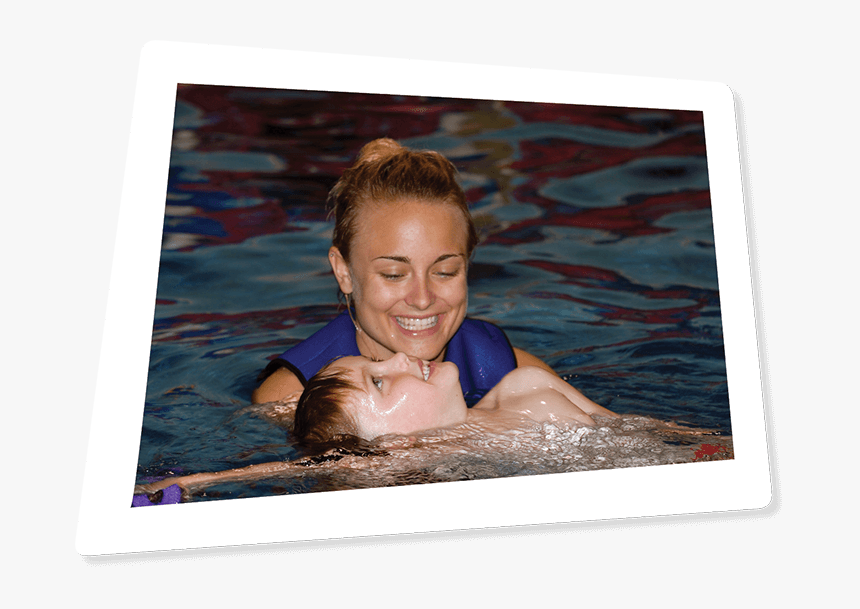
(280, 385)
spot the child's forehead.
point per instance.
(350, 364)
(354, 368)
(358, 400)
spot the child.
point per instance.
(355, 396)
(355, 399)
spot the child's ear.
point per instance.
(341, 270)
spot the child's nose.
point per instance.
(402, 361)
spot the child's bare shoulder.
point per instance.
(528, 379)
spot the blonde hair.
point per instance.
(385, 172)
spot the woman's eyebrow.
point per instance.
(403, 259)
(448, 256)
(407, 260)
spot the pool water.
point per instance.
(597, 255)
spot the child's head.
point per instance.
(320, 416)
(355, 396)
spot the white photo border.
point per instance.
(108, 525)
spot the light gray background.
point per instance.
(70, 73)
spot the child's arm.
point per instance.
(204, 479)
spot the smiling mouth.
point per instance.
(412, 324)
(426, 371)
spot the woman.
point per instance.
(355, 399)
(402, 242)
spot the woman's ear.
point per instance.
(341, 270)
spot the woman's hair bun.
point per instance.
(378, 149)
(386, 172)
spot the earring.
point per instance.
(349, 312)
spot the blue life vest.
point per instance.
(480, 350)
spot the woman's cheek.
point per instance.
(384, 294)
(454, 292)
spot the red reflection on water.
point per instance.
(711, 452)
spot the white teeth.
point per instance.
(416, 325)
(426, 371)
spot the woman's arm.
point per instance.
(282, 385)
(527, 359)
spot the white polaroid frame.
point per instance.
(107, 522)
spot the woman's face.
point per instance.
(407, 277)
(402, 395)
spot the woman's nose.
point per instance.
(421, 296)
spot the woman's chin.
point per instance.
(428, 350)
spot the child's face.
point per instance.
(403, 395)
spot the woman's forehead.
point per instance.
(400, 222)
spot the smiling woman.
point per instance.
(401, 247)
